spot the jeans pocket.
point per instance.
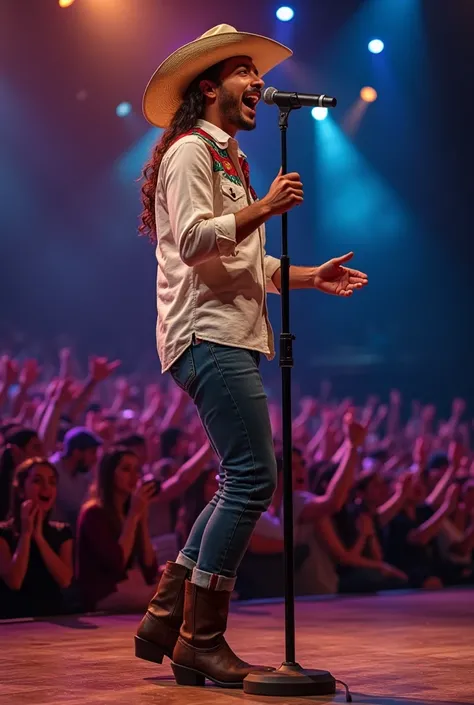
(183, 371)
(254, 354)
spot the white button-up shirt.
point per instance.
(208, 286)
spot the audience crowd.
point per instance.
(102, 479)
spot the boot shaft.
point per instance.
(202, 651)
(205, 616)
(168, 600)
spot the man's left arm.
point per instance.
(331, 277)
(300, 277)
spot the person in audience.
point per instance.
(19, 444)
(436, 467)
(434, 482)
(354, 536)
(165, 506)
(194, 500)
(342, 546)
(75, 464)
(373, 496)
(36, 564)
(174, 446)
(116, 565)
(456, 540)
(317, 573)
(410, 538)
(261, 572)
(137, 444)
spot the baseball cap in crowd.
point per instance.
(79, 438)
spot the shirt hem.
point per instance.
(205, 339)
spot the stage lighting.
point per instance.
(319, 113)
(368, 94)
(65, 3)
(285, 14)
(376, 46)
(123, 109)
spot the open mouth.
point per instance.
(44, 499)
(250, 101)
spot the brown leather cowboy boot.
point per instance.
(159, 629)
(201, 651)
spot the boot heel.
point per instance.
(186, 676)
(148, 651)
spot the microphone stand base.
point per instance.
(290, 680)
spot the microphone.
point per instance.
(285, 99)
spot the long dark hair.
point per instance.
(17, 496)
(19, 437)
(102, 490)
(185, 118)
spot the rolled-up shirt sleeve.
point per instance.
(186, 178)
(272, 264)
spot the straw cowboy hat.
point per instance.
(165, 91)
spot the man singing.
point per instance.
(213, 275)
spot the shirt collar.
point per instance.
(219, 136)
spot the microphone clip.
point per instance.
(284, 112)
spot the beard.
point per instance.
(231, 108)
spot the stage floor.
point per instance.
(405, 649)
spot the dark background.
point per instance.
(398, 191)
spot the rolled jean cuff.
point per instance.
(212, 581)
(182, 559)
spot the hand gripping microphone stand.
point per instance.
(290, 680)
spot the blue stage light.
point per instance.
(319, 113)
(376, 46)
(123, 109)
(285, 14)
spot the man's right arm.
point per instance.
(188, 183)
(187, 180)
(250, 219)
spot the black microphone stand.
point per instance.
(290, 680)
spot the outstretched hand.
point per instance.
(332, 278)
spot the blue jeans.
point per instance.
(226, 387)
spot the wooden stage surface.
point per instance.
(403, 649)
